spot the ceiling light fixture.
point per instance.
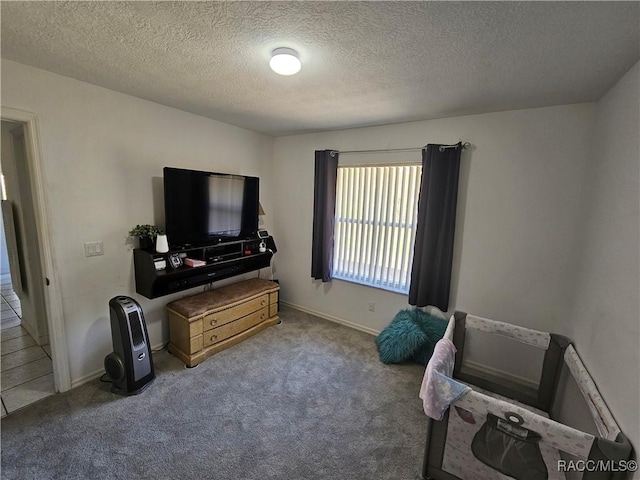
(285, 61)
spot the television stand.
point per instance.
(222, 260)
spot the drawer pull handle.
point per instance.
(263, 316)
(263, 303)
(214, 338)
(214, 321)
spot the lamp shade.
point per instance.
(285, 61)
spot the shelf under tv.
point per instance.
(223, 260)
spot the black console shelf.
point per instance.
(223, 260)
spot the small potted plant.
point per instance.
(146, 235)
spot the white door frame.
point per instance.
(51, 284)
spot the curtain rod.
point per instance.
(465, 145)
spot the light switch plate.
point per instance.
(92, 249)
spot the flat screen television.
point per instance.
(202, 208)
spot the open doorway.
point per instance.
(26, 363)
(27, 368)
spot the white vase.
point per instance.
(162, 244)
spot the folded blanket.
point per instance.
(438, 389)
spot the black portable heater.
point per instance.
(129, 366)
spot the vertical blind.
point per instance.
(375, 224)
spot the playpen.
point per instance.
(486, 426)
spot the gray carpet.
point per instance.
(307, 399)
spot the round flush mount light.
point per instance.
(285, 61)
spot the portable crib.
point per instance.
(502, 421)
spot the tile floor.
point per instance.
(26, 370)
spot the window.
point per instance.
(375, 224)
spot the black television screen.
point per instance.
(205, 207)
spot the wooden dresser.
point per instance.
(203, 324)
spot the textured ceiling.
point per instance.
(364, 63)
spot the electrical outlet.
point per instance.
(372, 306)
(92, 249)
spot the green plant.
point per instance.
(144, 231)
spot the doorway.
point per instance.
(38, 265)
(27, 368)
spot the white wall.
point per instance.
(103, 156)
(8, 171)
(605, 318)
(519, 197)
(4, 259)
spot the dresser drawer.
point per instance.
(232, 328)
(222, 317)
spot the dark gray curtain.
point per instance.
(324, 207)
(433, 250)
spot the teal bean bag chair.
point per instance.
(410, 337)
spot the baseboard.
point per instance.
(331, 318)
(474, 365)
(31, 330)
(98, 373)
(512, 377)
(86, 378)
